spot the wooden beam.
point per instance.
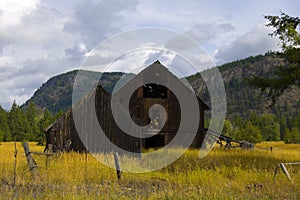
(31, 162)
(118, 169)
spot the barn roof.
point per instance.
(157, 68)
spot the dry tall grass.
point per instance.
(223, 174)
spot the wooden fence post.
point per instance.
(282, 166)
(31, 162)
(285, 171)
(118, 169)
(15, 163)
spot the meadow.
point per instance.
(223, 174)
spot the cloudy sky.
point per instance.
(42, 38)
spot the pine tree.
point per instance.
(251, 133)
(295, 135)
(239, 121)
(254, 118)
(18, 123)
(45, 121)
(227, 128)
(12, 119)
(283, 127)
(270, 129)
(31, 115)
(237, 134)
(298, 119)
(292, 136)
(287, 136)
(4, 129)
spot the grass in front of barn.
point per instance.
(223, 174)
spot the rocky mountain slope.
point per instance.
(242, 98)
(56, 94)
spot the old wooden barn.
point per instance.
(63, 134)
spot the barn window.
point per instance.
(153, 90)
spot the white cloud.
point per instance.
(256, 41)
(94, 20)
(5, 61)
(206, 32)
(13, 11)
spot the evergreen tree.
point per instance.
(227, 128)
(270, 129)
(283, 127)
(13, 119)
(18, 123)
(236, 134)
(239, 121)
(295, 135)
(45, 121)
(292, 136)
(251, 134)
(254, 119)
(298, 119)
(32, 118)
(287, 136)
(4, 129)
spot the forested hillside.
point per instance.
(242, 98)
(56, 94)
(249, 116)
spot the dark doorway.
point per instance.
(155, 141)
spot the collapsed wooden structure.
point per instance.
(63, 134)
(229, 142)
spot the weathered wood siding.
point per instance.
(98, 99)
(63, 129)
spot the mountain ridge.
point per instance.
(56, 93)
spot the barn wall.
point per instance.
(140, 106)
(64, 128)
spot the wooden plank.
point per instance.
(285, 171)
(118, 168)
(31, 162)
(282, 166)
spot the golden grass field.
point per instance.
(223, 174)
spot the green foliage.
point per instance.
(45, 121)
(254, 119)
(4, 128)
(286, 75)
(292, 136)
(32, 118)
(257, 128)
(269, 127)
(24, 125)
(17, 122)
(56, 94)
(227, 128)
(265, 127)
(250, 133)
(283, 127)
(285, 28)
